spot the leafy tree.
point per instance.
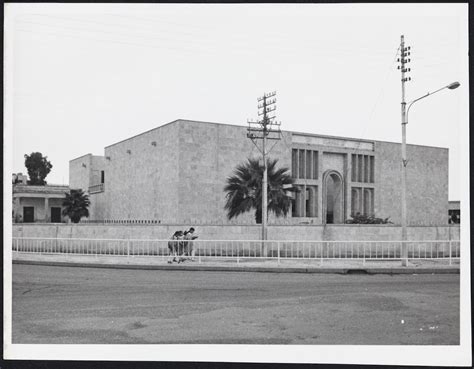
(76, 205)
(38, 168)
(244, 189)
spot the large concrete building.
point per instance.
(176, 173)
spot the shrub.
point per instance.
(367, 219)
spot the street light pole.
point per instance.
(451, 86)
(404, 250)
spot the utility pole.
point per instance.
(404, 52)
(264, 129)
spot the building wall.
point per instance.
(427, 183)
(141, 178)
(98, 206)
(454, 205)
(79, 172)
(85, 172)
(297, 233)
(98, 164)
(208, 155)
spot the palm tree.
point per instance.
(244, 189)
(76, 205)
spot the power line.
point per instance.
(307, 47)
(357, 150)
(109, 41)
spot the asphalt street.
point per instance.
(72, 305)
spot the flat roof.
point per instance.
(47, 189)
(143, 133)
(287, 131)
(79, 157)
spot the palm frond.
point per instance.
(244, 188)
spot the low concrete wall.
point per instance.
(233, 232)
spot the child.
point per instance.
(189, 237)
(174, 246)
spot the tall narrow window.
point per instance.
(102, 176)
(301, 164)
(315, 165)
(293, 208)
(307, 202)
(368, 201)
(354, 201)
(360, 168)
(354, 168)
(309, 164)
(366, 168)
(312, 201)
(294, 163)
(299, 203)
(372, 169)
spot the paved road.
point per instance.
(54, 305)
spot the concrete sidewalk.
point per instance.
(243, 265)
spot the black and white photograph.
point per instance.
(268, 183)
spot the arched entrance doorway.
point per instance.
(333, 198)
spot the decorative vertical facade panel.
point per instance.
(315, 164)
(309, 164)
(354, 168)
(294, 163)
(371, 179)
(368, 201)
(301, 168)
(366, 168)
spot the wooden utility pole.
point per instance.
(264, 129)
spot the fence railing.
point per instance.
(238, 249)
(97, 188)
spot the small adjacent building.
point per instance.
(19, 178)
(454, 212)
(38, 203)
(176, 173)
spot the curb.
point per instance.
(348, 271)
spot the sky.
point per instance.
(80, 77)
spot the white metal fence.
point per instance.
(253, 249)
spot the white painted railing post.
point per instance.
(450, 250)
(278, 252)
(404, 255)
(363, 255)
(128, 248)
(321, 249)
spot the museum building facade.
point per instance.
(176, 173)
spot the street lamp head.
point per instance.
(453, 85)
